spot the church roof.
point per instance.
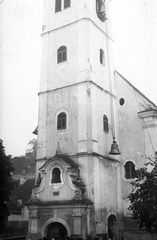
(23, 163)
(137, 90)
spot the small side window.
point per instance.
(102, 57)
(61, 54)
(61, 121)
(129, 170)
(58, 5)
(105, 123)
(66, 4)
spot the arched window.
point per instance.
(61, 54)
(58, 5)
(129, 170)
(56, 176)
(105, 123)
(61, 121)
(102, 57)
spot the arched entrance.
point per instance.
(112, 227)
(56, 229)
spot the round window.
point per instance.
(121, 101)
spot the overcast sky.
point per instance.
(135, 32)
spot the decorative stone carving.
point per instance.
(39, 179)
(78, 183)
(40, 183)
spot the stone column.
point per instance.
(88, 222)
(76, 221)
(33, 216)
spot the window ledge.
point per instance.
(62, 63)
(128, 180)
(62, 131)
(56, 185)
(102, 65)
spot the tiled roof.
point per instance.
(20, 163)
(23, 192)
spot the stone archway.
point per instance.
(112, 227)
(52, 224)
(56, 229)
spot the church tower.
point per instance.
(77, 63)
(77, 181)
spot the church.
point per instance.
(94, 129)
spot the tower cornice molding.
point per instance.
(81, 154)
(79, 20)
(76, 84)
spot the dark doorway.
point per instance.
(112, 227)
(56, 229)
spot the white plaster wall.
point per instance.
(42, 116)
(151, 133)
(108, 186)
(100, 178)
(131, 138)
(64, 100)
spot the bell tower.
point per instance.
(76, 69)
(76, 123)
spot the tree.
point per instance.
(143, 197)
(6, 185)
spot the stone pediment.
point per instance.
(60, 157)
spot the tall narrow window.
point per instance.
(58, 5)
(129, 170)
(66, 3)
(56, 176)
(102, 57)
(61, 121)
(105, 123)
(61, 54)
